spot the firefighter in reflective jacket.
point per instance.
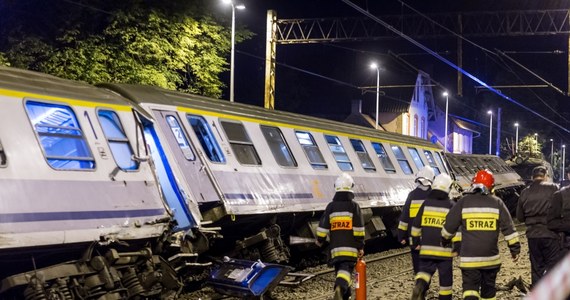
(481, 216)
(416, 197)
(426, 236)
(342, 222)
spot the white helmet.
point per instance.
(425, 176)
(442, 182)
(344, 183)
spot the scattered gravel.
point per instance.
(388, 280)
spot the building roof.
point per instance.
(464, 125)
(393, 105)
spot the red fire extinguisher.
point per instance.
(360, 281)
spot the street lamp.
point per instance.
(551, 151)
(517, 137)
(490, 130)
(563, 161)
(238, 6)
(375, 66)
(446, 95)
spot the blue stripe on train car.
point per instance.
(78, 215)
(170, 188)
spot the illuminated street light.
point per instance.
(238, 6)
(446, 95)
(563, 161)
(517, 138)
(375, 66)
(490, 130)
(551, 151)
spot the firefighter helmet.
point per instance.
(442, 182)
(483, 178)
(344, 183)
(425, 176)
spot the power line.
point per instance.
(469, 75)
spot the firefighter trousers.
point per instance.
(343, 271)
(428, 267)
(479, 283)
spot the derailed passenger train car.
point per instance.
(81, 212)
(508, 183)
(263, 175)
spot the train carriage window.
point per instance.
(3, 159)
(402, 160)
(117, 139)
(241, 143)
(60, 135)
(431, 162)
(311, 149)
(339, 153)
(180, 137)
(206, 138)
(365, 160)
(278, 146)
(440, 161)
(416, 157)
(384, 159)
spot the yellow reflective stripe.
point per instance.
(439, 214)
(456, 238)
(423, 276)
(340, 219)
(436, 253)
(470, 293)
(416, 232)
(403, 226)
(479, 264)
(358, 233)
(344, 253)
(321, 234)
(446, 234)
(414, 208)
(344, 275)
(445, 292)
(486, 215)
(513, 241)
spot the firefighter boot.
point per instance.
(338, 294)
(420, 289)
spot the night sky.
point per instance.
(348, 62)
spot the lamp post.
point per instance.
(446, 95)
(490, 113)
(375, 66)
(551, 151)
(563, 161)
(239, 6)
(517, 137)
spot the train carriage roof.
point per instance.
(20, 80)
(154, 95)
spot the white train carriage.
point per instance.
(72, 183)
(255, 172)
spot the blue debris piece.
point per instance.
(245, 278)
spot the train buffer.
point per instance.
(245, 278)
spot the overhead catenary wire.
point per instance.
(451, 64)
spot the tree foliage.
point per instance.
(529, 146)
(172, 44)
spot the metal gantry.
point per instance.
(470, 24)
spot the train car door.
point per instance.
(195, 171)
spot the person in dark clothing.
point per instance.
(558, 219)
(482, 217)
(416, 197)
(342, 222)
(426, 236)
(532, 209)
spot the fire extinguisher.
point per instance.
(360, 281)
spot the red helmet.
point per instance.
(484, 177)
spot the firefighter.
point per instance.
(342, 222)
(416, 197)
(482, 216)
(532, 209)
(426, 236)
(559, 216)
